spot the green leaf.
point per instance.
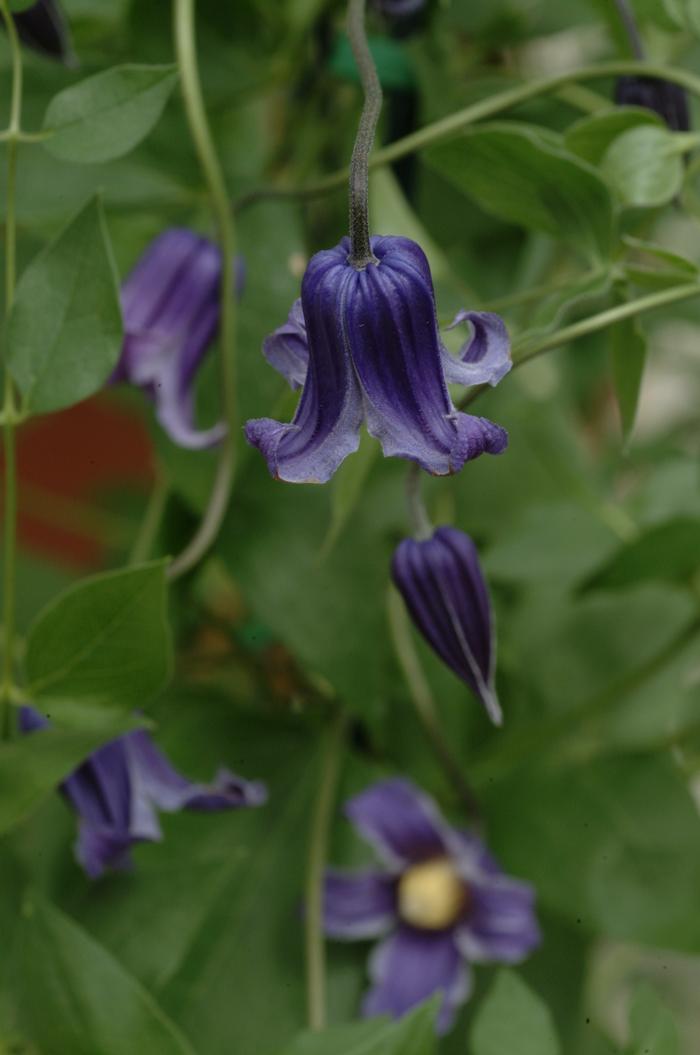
(104, 639)
(412, 1035)
(347, 488)
(590, 137)
(670, 268)
(107, 115)
(645, 166)
(33, 766)
(64, 332)
(75, 997)
(613, 844)
(652, 1028)
(513, 1018)
(668, 551)
(21, 5)
(521, 175)
(628, 353)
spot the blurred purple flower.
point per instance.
(117, 791)
(171, 305)
(365, 345)
(443, 586)
(43, 28)
(440, 897)
(399, 8)
(668, 100)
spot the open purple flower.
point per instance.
(365, 345)
(668, 100)
(117, 791)
(171, 304)
(441, 582)
(440, 902)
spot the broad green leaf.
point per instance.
(590, 137)
(522, 175)
(107, 115)
(669, 551)
(75, 997)
(21, 5)
(613, 844)
(412, 1035)
(64, 332)
(513, 1018)
(32, 767)
(104, 639)
(653, 1030)
(628, 353)
(645, 166)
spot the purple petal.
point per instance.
(30, 719)
(501, 926)
(326, 425)
(390, 326)
(98, 849)
(287, 349)
(411, 966)
(401, 823)
(358, 904)
(43, 27)
(154, 780)
(485, 357)
(441, 581)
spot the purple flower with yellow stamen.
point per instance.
(443, 586)
(364, 342)
(440, 902)
(117, 791)
(171, 308)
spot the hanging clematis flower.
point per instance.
(441, 582)
(170, 305)
(440, 902)
(118, 790)
(43, 28)
(668, 100)
(365, 344)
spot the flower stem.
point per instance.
(422, 527)
(186, 50)
(10, 495)
(316, 862)
(629, 22)
(455, 122)
(360, 249)
(425, 705)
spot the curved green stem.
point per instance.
(629, 22)
(186, 50)
(316, 862)
(424, 703)
(360, 249)
(10, 503)
(460, 119)
(150, 524)
(422, 527)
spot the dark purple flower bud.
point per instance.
(366, 347)
(399, 8)
(444, 589)
(668, 100)
(439, 901)
(171, 307)
(118, 790)
(43, 27)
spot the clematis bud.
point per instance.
(117, 791)
(365, 345)
(668, 100)
(399, 8)
(171, 305)
(43, 28)
(444, 589)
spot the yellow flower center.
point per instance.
(431, 894)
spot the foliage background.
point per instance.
(589, 539)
